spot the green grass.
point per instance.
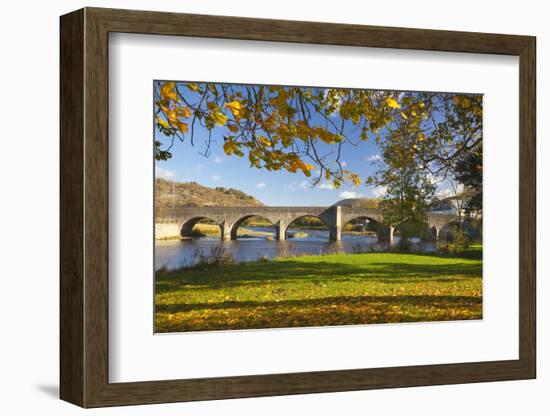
(339, 289)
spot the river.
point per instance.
(175, 253)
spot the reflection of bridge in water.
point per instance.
(334, 217)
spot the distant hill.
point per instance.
(194, 194)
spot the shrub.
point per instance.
(263, 259)
(358, 248)
(216, 256)
(456, 241)
(445, 247)
(461, 238)
(404, 244)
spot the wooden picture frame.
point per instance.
(84, 207)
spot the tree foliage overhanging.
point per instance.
(303, 129)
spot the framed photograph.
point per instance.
(256, 207)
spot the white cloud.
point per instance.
(218, 159)
(374, 158)
(344, 163)
(326, 185)
(379, 191)
(164, 173)
(349, 194)
(261, 185)
(216, 178)
(295, 186)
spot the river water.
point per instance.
(175, 253)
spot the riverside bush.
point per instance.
(456, 242)
(216, 256)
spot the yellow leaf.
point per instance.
(219, 118)
(229, 147)
(212, 106)
(168, 91)
(404, 115)
(355, 179)
(303, 131)
(183, 112)
(182, 126)
(235, 107)
(254, 161)
(264, 141)
(163, 122)
(307, 166)
(327, 136)
(171, 114)
(193, 87)
(392, 103)
(234, 128)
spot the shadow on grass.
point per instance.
(425, 302)
(319, 271)
(341, 310)
(471, 253)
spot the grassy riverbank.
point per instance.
(339, 289)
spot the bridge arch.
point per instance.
(239, 222)
(438, 224)
(292, 221)
(434, 232)
(468, 225)
(186, 227)
(446, 230)
(416, 231)
(373, 224)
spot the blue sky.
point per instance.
(272, 188)
(279, 188)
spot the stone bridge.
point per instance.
(334, 217)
